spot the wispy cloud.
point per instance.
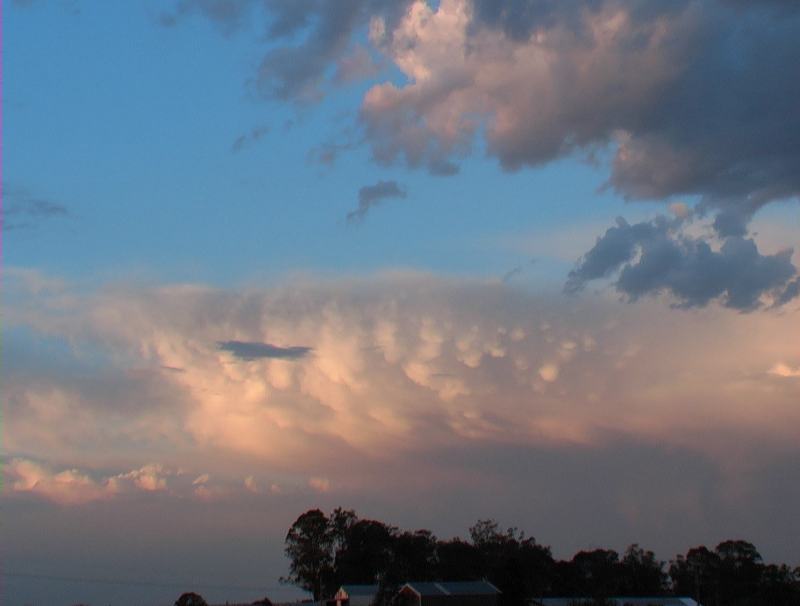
(370, 196)
(249, 138)
(24, 210)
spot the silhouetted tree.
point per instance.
(596, 573)
(308, 545)
(740, 567)
(697, 575)
(414, 556)
(780, 585)
(326, 551)
(190, 599)
(517, 565)
(366, 553)
(458, 561)
(641, 574)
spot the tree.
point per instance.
(308, 546)
(596, 573)
(740, 568)
(190, 599)
(641, 573)
(458, 561)
(697, 575)
(366, 554)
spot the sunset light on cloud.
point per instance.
(432, 261)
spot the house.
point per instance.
(466, 593)
(354, 595)
(619, 601)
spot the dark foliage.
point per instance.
(190, 599)
(329, 551)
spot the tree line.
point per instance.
(327, 551)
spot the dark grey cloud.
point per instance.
(254, 350)
(372, 195)
(228, 15)
(309, 40)
(24, 210)
(724, 122)
(696, 97)
(247, 139)
(516, 271)
(655, 257)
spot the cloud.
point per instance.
(249, 138)
(372, 195)
(320, 484)
(325, 54)
(247, 350)
(149, 478)
(228, 15)
(68, 487)
(682, 91)
(784, 370)
(658, 256)
(400, 362)
(74, 487)
(682, 94)
(23, 210)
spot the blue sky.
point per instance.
(130, 126)
(170, 207)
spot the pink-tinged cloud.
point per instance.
(75, 487)
(784, 370)
(401, 362)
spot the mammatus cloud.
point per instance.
(465, 389)
(249, 138)
(246, 350)
(400, 363)
(372, 195)
(654, 257)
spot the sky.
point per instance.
(433, 261)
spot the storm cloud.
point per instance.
(372, 195)
(693, 98)
(658, 256)
(247, 350)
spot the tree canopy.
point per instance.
(327, 551)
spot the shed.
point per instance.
(447, 593)
(355, 595)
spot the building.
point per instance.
(467, 593)
(619, 601)
(354, 595)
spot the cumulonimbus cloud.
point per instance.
(403, 362)
(683, 96)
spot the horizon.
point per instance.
(434, 261)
